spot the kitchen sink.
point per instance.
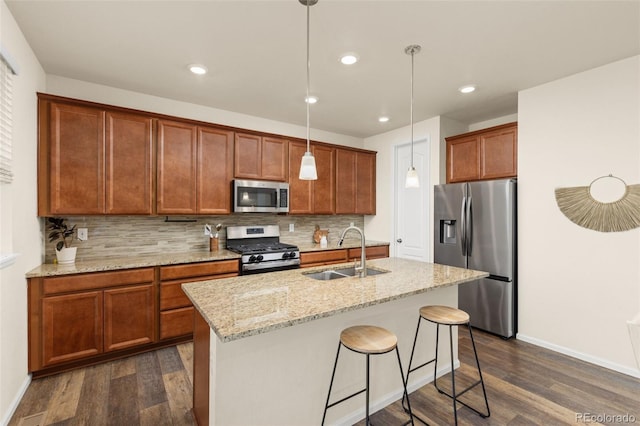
(335, 274)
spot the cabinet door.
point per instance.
(128, 164)
(177, 151)
(463, 159)
(129, 314)
(324, 189)
(248, 154)
(345, 181)
(300, 191)
(215, 170)
(499, 153)
(274, 159)
(76, 149)
(365, 183)
(71, 327)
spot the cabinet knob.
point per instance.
(399, 240)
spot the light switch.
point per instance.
(291, 227)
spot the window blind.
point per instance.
(6, 101)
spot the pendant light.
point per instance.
(412, 180)
(308, 164)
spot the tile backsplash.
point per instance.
(118, 236)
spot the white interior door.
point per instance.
(411, 204)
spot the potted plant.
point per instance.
(61, 231)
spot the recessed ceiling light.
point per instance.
(349, 59)
(198, 69)
(311, 99)
(467, 89)
(383, 119)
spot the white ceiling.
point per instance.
(255, 52)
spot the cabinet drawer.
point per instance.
(375, 252)
(96, 280)
(176, 322)
(200, 269)
(323, 257)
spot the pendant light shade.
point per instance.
(412, 180)
(308, 163)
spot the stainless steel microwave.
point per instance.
(259, 196)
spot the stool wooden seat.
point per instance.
(368, 340)
(447, 316)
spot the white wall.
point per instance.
(62, 86)
(19, 226)
(381, 226)
(578, 287)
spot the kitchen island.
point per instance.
(264, 344)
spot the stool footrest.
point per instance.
(459, 394)
(420, 366)
(346, 397)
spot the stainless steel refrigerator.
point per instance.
(475, 228)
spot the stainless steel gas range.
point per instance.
(261, 249)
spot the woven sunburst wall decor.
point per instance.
(579, 206)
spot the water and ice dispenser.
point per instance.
(447, 231)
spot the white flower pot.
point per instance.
(67, 255)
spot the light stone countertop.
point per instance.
(247, 305)
(150, 260)
(112, 264)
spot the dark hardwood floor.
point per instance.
(526, 385)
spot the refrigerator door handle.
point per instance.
(463, 226)
(469, 234)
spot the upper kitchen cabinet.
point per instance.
(260, 157)
(195, 169)
(93, 160)
(355, 182)
(312, 196)
(484, 154)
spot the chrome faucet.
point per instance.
(362, 270)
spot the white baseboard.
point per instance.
(16, 400)
(581, 356)
(391, 397)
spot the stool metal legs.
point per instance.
(366, 389)
(454, 395)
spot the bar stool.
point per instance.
(445, 315)
(368, 340)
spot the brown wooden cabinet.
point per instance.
(261, 157)
(81, 317)
(373, 252)
(92, 160)
(312, 196)
(328, 257)
(355, 182)
(484, 154)
(194, 169)
(176, 310)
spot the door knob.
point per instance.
(399, 240)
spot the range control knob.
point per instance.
(292, 255)
(260, 257)
(252, 259)
(285, 255)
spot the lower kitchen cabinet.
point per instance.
(329, 257)
(176, 310)
(83, 316)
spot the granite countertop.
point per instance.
(112, 264)
(150, 260)
(333, 245)
(251, 304)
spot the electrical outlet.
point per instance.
(350, 223)
(83, 234)
(292, 227)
